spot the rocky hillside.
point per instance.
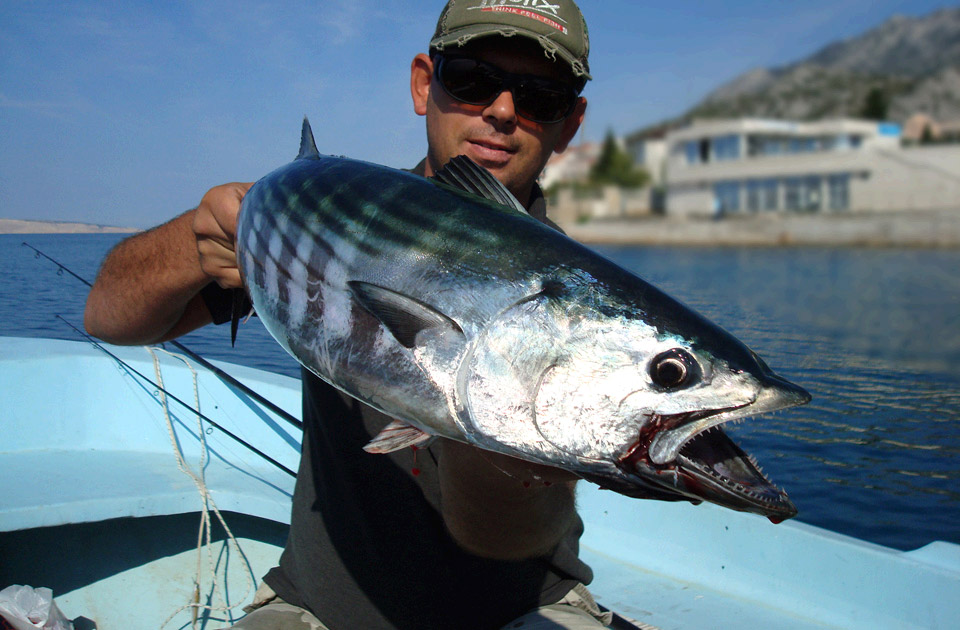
(905, 65)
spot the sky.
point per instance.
(125, 113)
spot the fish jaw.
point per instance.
(690, 455)
(774, 395)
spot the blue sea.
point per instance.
(873, 334)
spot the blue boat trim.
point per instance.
(85, 441)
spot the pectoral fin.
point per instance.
(397, 435)
(401, 314)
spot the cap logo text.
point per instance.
(540, 10)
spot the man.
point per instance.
(450, 536)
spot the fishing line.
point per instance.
(205, 537)
(214, 424)
(193, 355)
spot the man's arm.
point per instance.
(148, 288)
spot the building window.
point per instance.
(839, 191)
(753, 196)
(726, 148)
(779, 146)
(726, 197)
(803, 194)
(812, 195)
(639, 150)
(762, 195)
(692, 150)
(792, 187)
(771, 196)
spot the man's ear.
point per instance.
(571, 125)
(421, 73)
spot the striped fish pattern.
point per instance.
(442, 303)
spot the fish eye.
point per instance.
(674, 369)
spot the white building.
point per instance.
(573, 165)
(649, 151)
(753, 165)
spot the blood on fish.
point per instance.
(415, 471)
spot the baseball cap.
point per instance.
(557, 25)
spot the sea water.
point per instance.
(873, 334)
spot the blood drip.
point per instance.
(415, 471)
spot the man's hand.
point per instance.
(148, 288)
(215, 226)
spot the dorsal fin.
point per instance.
(464, 174)
(308, 147)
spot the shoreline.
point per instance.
(917, 229)
(23, 226)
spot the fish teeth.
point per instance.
(734, 485)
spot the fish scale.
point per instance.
(463, 317)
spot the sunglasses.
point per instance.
(475, 82)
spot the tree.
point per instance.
(615, 167)
(875, 105)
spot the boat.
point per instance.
(110, 476)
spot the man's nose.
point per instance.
(501, 111)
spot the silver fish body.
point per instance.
(463, 317)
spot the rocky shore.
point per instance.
(906, 229)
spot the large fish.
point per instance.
(442, 303)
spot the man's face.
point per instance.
(512, 148)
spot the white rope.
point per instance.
(204, 536)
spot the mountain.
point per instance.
(904, 66)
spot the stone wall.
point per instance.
(610, 202)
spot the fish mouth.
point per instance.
(718, 470)
(694, 457)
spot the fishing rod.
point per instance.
(196, 357)
(189, 407)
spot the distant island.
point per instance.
(19, 226)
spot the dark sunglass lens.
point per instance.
(478, 83)
(545, 101)
(470, 81)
